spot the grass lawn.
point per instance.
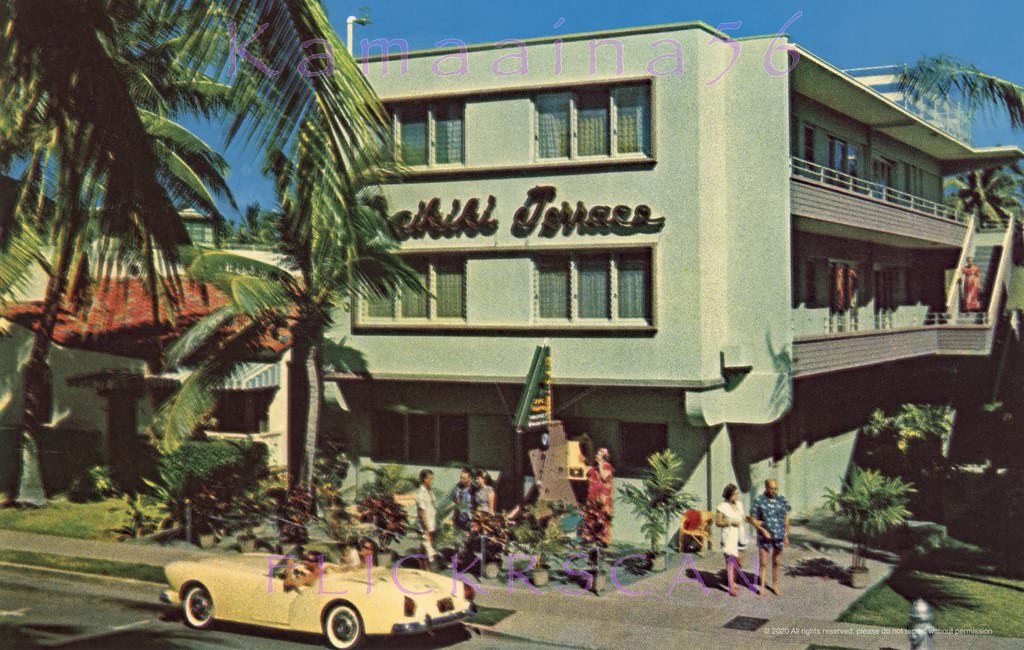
(61, 517)
(85, 565)
(963, 587)
(491, 615)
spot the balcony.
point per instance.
(826, 195)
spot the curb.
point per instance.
(491, 631)
(81, 574)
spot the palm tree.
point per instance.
(992, 194)
(946, 78)
(330, 256)
(60, 49)
(103, 190)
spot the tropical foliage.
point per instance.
(993, 194)
(871, 503)
(100, 182)
(660, 496)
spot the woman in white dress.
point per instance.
(729, 517)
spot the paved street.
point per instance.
(40, 609)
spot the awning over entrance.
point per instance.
(251, 376)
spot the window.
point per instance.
(420, 437)
(444, 279)
(637, 441)
(430, 134)
(594, 287)
(594, 122)
(842, 156)
(809, 143)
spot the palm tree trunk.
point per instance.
(37, 394)
(312, 366)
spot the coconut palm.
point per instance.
(99, 185)
(993, 194)
(946, 77)
(60, 49)
(330, 255)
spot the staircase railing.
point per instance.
(967, 250)
(1002, 274)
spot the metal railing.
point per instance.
(967, 250)
(878, 191)
(1002, 280)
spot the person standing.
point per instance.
(770, 516)
(426, 512)
(462, 499)
(729, 517)
(972, 286)
(484, 498)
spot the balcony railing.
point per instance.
(878, 191)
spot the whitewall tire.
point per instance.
(343, 627)
(197, 607)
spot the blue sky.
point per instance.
(851, 34)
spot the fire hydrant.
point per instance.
(920, 628)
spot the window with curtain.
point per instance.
(592, 123)
(553, 288)
(615, 287)
(633, 119)
(445, 298)
(448, 128)
(380, 307)
(414, 303)
(553, 114)
(634, 273)
(413, 135)
(594, 296)
(451, 282)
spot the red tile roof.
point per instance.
(119, 321)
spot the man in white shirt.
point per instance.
(426, 512)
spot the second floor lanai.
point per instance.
(877, 254)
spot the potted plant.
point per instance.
(658, 499)
(871, 503)
(594, 523)
(541, 535)
(489, 537)
(390, 522)
(252, 507)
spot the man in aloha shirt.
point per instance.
(770, 516)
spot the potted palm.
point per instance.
(658, 499)
(541, 535)
(871, 503)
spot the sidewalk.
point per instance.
(677, 613)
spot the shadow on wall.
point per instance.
(342, 358)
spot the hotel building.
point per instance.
(734, 249)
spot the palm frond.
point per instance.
(946, 77)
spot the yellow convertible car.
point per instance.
(343, 603)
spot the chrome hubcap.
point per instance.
(199, 606)
(343, 626)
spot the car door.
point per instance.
(268, 602)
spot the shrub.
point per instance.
(213, 477)
(93, 484)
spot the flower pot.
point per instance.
(384, 559)
(247, 544)
(491, 569)
(600, 582)
(859, 577)
(657, 562)
(207, 540)
(540, 576)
